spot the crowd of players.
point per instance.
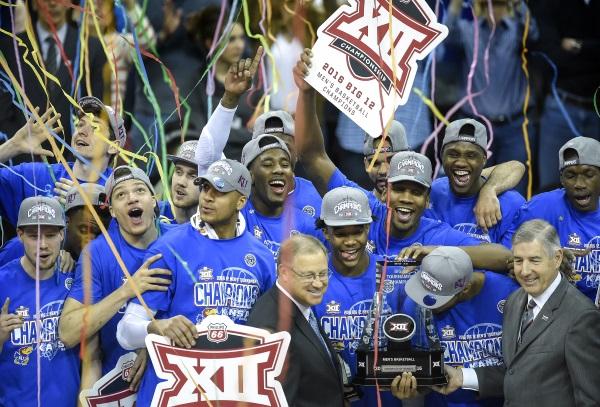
(70, 281)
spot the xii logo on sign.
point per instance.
(383, 39)
(227, 375)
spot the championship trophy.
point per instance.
(379, 362)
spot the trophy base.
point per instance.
(426, 365)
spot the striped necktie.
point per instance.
(50, 61)
(527, 318)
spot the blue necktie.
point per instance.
(314, 324)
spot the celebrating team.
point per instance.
(256, 229)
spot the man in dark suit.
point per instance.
(551, 345)
(53, 32)
(311, 376)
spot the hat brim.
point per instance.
(175, 159)
(342, 222)
(41, 223)
(415, 290)
(399, 178)
(218, 183)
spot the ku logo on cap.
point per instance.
(242, 181)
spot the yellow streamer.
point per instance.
(429, 103)
(86, 200)
(525, 106)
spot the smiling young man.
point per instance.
(409, 181)
(267, 216)
(33, 290)
(98, 133)
(453, 198)
(280, 124)
(225, 257)
(573, 210)
(134, 228)
(345, 220)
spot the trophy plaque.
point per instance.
(379, 365)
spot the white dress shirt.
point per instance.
(303, 308)
(43, 34)
(470, 380)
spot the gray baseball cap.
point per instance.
(587, 149)
(275, 121)
(468, 130)
(91, 104)
(186, 154)
(259, 145)
(410, 166)
(345, 206)
(41, 210)
(396, 137)
(228, 175)
(444, 272)
(124, 173)
(94, 192)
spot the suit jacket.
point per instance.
(310, 377)
(11, 118)
(558, 360)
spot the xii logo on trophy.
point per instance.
(231, 363)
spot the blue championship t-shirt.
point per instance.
(217, 277)
(429, 231)
(18, 182)
(272, 231)
(458, 211)
(106, 277)
(166, 213)
(13, 249)
(578, 231)
(344, 312)
(471, 334)
(305, 197)
(60, 374)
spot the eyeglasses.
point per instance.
(310, 277)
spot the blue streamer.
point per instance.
(555, 93)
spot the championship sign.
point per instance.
(231, 365)
(112, 390)
(365, 57)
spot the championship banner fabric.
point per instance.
(365, 58)
(230, 364)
